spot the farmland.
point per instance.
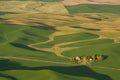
(39, 45)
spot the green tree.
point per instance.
(99, 58)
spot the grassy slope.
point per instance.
(105, 47)
(13, 41)
(12, 34)
(89, 42)
(33, 7)
(111, 50)
(42, 71)
(93, 8)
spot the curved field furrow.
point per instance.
(72, 42)
(61, 31)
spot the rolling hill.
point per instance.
(38, 39)
(56, 7)
(93, 8)
(33, 7)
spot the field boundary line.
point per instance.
(36, 60)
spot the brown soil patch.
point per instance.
(16, 22)
(104, 25)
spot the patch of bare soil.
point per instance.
(16, 22)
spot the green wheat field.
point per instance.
(38, 39)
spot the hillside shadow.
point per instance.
(7, 76)
(105, 57)
(5, 64)
(3, 19)
(22, 46)
(80, 71)
(94, 18)
(91, 29)
(3, 13)
(43, 26)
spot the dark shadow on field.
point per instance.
(18, 45)
(5, 64)
(43, 26)
(105, 57)
(95, 18)
(117, 29)
(7, 76)
(3, 13)
(80, 71)
(91, 29)
(3, 19)
(22, 46)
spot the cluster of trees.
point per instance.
(87, 59)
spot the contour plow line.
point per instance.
(72, 42)
(61, 31)
(57, 49)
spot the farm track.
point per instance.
(28, 59)
(36, 60)
(57, 49)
